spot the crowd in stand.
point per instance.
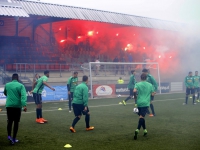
(23, 50)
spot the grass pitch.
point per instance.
(176, 127)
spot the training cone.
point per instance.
(67, 146)
(59, 108)
(120, 102)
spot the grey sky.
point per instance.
(173, 10)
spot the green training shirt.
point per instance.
(16, 94)
(40, 86)
(152, 80)
(132, 82)
(145, 90)
(189, 82)
(81, 94)
(196, 81)
(72, 82)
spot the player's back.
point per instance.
(144, 92)
(13, 91)
(80, 93)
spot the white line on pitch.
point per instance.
(98, 106)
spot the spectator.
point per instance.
(97, 67)
(120, 81)
(116, 66)
(144, 60)
(130, 59)
(122, 66)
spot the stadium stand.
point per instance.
(31, 34)
(23, 50)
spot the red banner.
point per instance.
(104, 90)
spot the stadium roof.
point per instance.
(69, 12)
(9, 9)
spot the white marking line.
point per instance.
(97, 106)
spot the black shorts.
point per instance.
(196, 90)
(142, 111)
(131, 92)
(37, 98)
(189, 91)
(78, 109)
(71, 96)
(13, 114)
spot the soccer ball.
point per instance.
(135, 110)
(61, 99)
(118, 95)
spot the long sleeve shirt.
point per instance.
(189, 82)
(16, 94)
(132, 82)
(152, 80)
(81, 94)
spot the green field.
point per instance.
(176, 127)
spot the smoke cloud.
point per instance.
(177, 52)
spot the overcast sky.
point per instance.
(173, 10)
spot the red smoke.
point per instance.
(111, 40)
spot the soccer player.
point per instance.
(189, 83)
(80, 105)
(71, 85)
(151, 80)
(36, 77)
(131, 85)
(197, 85)
(37, 95)
(15, 102)
(145, 90)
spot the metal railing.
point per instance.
(4, 77)
(23, 68)
(114, 68)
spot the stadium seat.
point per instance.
(43, 67)
(27, 67)
(67, 67)
(22, 50)
(9, 67)
(57, 67)
(14, 67)
(1, 62)
(51, 67)
(37, 67)
(22, 66)
(31, 66)
(63, 67)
